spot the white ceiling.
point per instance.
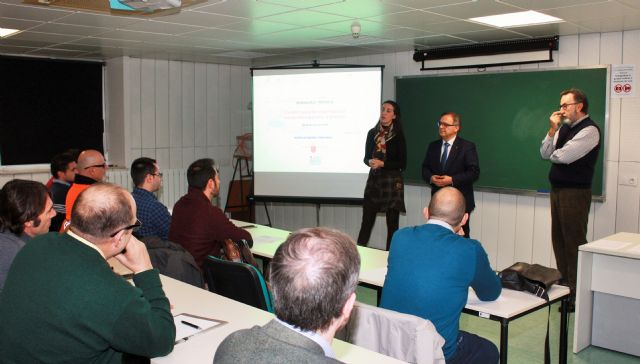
(262, 32)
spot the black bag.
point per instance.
(534, 278)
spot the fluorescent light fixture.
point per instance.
(519, 19)
(6, 32)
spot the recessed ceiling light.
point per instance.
(6, 32)
(517, 19)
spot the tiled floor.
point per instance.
(526, 337)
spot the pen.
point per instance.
(191, 325)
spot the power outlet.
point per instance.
(629, 180)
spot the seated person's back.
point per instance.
(196, 224)
(431, 268)
(313, 278)
(63, 303)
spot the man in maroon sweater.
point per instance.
(196, 224)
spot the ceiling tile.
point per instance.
(243, 8)
(305, 18)
(57, 53)
(367, 27)
(132, 35)
(69, 29)
(221, 34)
(18, 23)
(458, 26)
(603, 25)
(411, 19)
(593, 11)
(359, 8)
(9, 49)
(259, 26)
(298, 37)
(202, 19)
(107, 42)
(549, 4)
(44, 37)
(26, 12)
(474, 9)
(306, 4)
(98, 20)
(154, 26)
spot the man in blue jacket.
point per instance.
(430, 270)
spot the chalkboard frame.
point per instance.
(409, 120)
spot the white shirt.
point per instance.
(450, 141)
(581, 144)
(441, 223)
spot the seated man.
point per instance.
(152, 213)
(63, 170)
(91, 168)
(25, 212)
(62, 303)
(196, 224)
(313, 279)
(430, 269)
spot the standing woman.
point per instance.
(386, 154)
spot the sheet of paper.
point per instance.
(634, 250)
(186, 330)
(610, 244)
(262, 239)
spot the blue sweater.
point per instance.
(429, 273)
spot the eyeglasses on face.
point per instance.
(130, 227)
(444, 125)
(159, 174)
(566, 106)
(103, 165)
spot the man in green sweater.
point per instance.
(63, 303)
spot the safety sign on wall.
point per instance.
(623, 80)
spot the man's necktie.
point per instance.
(445, 153)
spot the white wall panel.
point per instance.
(175, 104)
(507, 219)
(200, 104)
(589, 49)
(147, 103)
(135, 123)
(213, 89)
(188, 104)
(162, 103)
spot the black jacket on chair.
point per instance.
(462, 165)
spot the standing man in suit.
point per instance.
(452, 161)
(571, 145)
(314, 275)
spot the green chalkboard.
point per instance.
(505, 114)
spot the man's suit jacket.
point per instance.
(462, 165)
(271, 343)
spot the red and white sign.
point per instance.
(623, 80)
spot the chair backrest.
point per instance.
(238, 281)
(405, 337)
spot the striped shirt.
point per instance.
(573, 149)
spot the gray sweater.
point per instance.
(9, 247)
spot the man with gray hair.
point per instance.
(63, 303)
(313, 278)
(430, 270)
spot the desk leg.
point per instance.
(504, 338)
(564, 320)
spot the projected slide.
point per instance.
(309, 127)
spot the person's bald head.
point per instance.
(91, 164)
(103, 209)
(447, 205)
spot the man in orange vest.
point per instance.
(91, 168)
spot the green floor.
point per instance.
(526, 336)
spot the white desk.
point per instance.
(201, 348)
(608, 294)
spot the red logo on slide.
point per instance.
(618, 88)
(627, 88)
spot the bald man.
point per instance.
(62, 302)
(430, 270)
(91, 168)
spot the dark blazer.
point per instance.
(462, 165)
(271, 343)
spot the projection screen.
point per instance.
(309, 130)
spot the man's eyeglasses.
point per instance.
(130, 227)
(159, 174)
(443, 124)
(566, 106)
(103, 165)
